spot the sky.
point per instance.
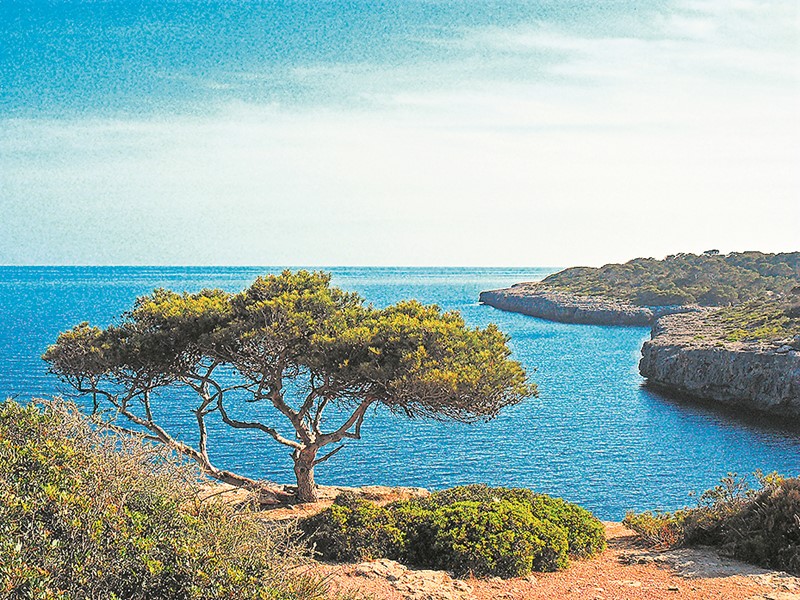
(396, 132)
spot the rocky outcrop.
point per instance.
(542, 301)
(687, 355)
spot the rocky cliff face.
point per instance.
(686, 355)
(544, 302)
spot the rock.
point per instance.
(688, 356)
(542, 301)
(383, 568)
(416, 584)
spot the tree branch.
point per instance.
(357, 418)
(162, 436)
(328, 455)
(119, 429)
(255, 425)
(318, 415)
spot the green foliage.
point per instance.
(585, 534)
(758, 320)
(472, 529)
(498, 538)
(758, 525)
(708, 279)
(90, 514)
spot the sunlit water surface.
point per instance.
(595, 436)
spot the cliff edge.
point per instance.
(688, 354)
(545, 302)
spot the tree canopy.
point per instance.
(297, 343)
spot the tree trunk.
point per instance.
(304, 471)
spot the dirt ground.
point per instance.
(625, 571)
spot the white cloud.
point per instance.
(542, 146)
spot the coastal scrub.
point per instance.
(87, 513)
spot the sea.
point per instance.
(595, 435)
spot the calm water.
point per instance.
(595, 436)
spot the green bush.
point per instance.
(88, 514)
(585, 534)
(471, 529)
(354, 529)
(499, 538)
(760, 526)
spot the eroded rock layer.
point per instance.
(688, 355)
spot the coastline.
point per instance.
(686, 355)
(625, 569)
(544, 302)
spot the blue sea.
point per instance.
(595, 436)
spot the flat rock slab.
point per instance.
(416, 584)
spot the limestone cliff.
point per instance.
(539, 300)
(686, 354)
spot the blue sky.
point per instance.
(403, 132)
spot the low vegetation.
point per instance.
(88, 513)
(709, 279)
(474, 530)
(760, 525)
(760, 320)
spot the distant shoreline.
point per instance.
(539, 300)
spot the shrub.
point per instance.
(658, 529)
(761, 526)
(766, 530)
(354, 529)
(585, 534)
(471, 529)
(90, 514)
(499, 538)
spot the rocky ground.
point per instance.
(698, 329)
(625, 571)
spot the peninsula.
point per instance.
(724, 327)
